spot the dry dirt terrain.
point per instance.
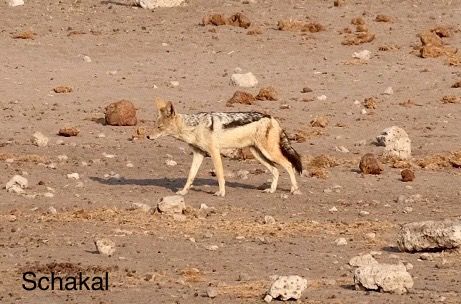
(107, 51)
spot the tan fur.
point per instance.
(263, 136)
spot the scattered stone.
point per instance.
(212, 247)
(342, 149)
(358, 38)
(388, 91)
(105, 246)
(426, 256)
(450, 99)
(299, 26)
(25, 35)
(151, 4)
(170, 163)
(333, 209)
(370, 235)
(341, 242)
(369, 164)
(237, 19)
(172, 204)
(364, 213)
(75, 176)
(383, 278)
(144, 207)
(17, 184)
(255, 31)
(121, 113)
(319, 121)
(267, 93)
(430, 235)
(363, 260)
(338, 3)
(396, 143)
(407, 175)
(370, 103)
(62, 89)
(52, 210)
(362, 55)
(268, 299)
(39, 139)
(287, 287)
(306, 90)
(322, 97)
(382, 18)
(174, 84)
(269, 220)
(87, 58)
(240, 97)
(247, 80)
(68, 132)
(14, 3)
(211, 292)
(456, 84)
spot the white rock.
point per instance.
(247, 80)
(363, 55)
(396, 142)
(17, 184)
(333, 209)
(364, 213)
(389, 91)
(105, 246)
(87, 58)
(52, 210)
(39, 139)
(268, 299)
(48, 194)
(341, 242)
(144, 207)
(170, 163)
(74, 175)
(172, 204)
(363, 260)
(363, 111)
(322, 97)
(130, 165)
(151, 4)
(212, 247)
(384, 278)
(342, 149)
(269, 220)
(288, 287)
(14, 3)
(370, 235)
(174, 84)
(211, 292)
(430, 235)
(203, 206)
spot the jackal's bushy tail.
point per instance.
(290, 153)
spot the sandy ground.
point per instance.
(135, 54)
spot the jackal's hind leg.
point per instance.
(197, 160)
(275, 172)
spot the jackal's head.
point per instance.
(166, 121)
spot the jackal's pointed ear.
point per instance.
(165, 108)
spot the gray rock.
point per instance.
(396, 142)
(383, 278)
(173, 204)
(211, 292)
(288, 287)
(247, 80)
(430, 235)
(39, 139)
(363, 260)
(17, 184)
(105, 246)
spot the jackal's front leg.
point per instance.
(196, 162)
(217, 162)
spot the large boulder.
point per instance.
(383, 278)
(396, 142)
(430, 235)
(287, 287)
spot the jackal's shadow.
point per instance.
(173, 184)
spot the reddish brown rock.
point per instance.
(241, 97)
(369, 164)
(267, 93)
(121, 113)
(407, 175)
(68, 132)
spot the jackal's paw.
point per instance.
(220, 193)
(295, 191)
(269, 190)
(182, 192)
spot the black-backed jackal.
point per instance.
(209, 133)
